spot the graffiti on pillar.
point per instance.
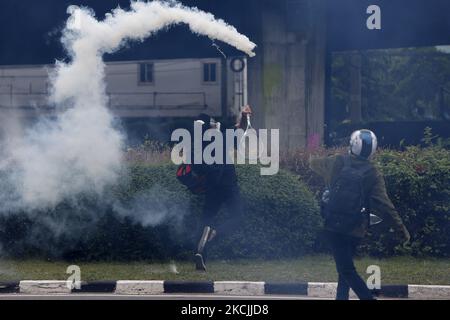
(272, 80)
(313, 142)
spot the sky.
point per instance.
(30, 29)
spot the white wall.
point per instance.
(178, 89)
(23, 88)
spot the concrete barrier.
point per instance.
(239, 288)
(139, 287)
(44, 287)
(428, 292)
(244, 288)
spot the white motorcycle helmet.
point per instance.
(363, 143)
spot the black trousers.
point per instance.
(230, 198)
(343, 248)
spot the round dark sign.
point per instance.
(237, 64)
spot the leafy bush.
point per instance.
(150, 215)
(418, 183)
(281, 220)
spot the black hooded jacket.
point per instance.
(216, 175)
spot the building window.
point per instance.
(209, 72)
(146, 73)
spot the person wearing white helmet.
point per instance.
(363, 143)
(355, 187)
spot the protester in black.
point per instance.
(221, 190)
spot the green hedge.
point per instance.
(418, 183)
(281, 220)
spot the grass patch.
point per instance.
(398, 270)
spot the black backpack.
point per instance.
(344, 210)
(194, 182)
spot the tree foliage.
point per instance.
(396, 84)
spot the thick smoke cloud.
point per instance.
(81, 151)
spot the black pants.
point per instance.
(343, 248)
(230, 197)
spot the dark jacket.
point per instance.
(218, 175)
(379, 202)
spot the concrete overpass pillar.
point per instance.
(287, 78)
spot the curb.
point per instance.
(246, 288)
(188, 287)
(9, 287)
(43, 287)
(96, 287)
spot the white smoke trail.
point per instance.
(82, 151)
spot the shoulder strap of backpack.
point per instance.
(367, 174)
